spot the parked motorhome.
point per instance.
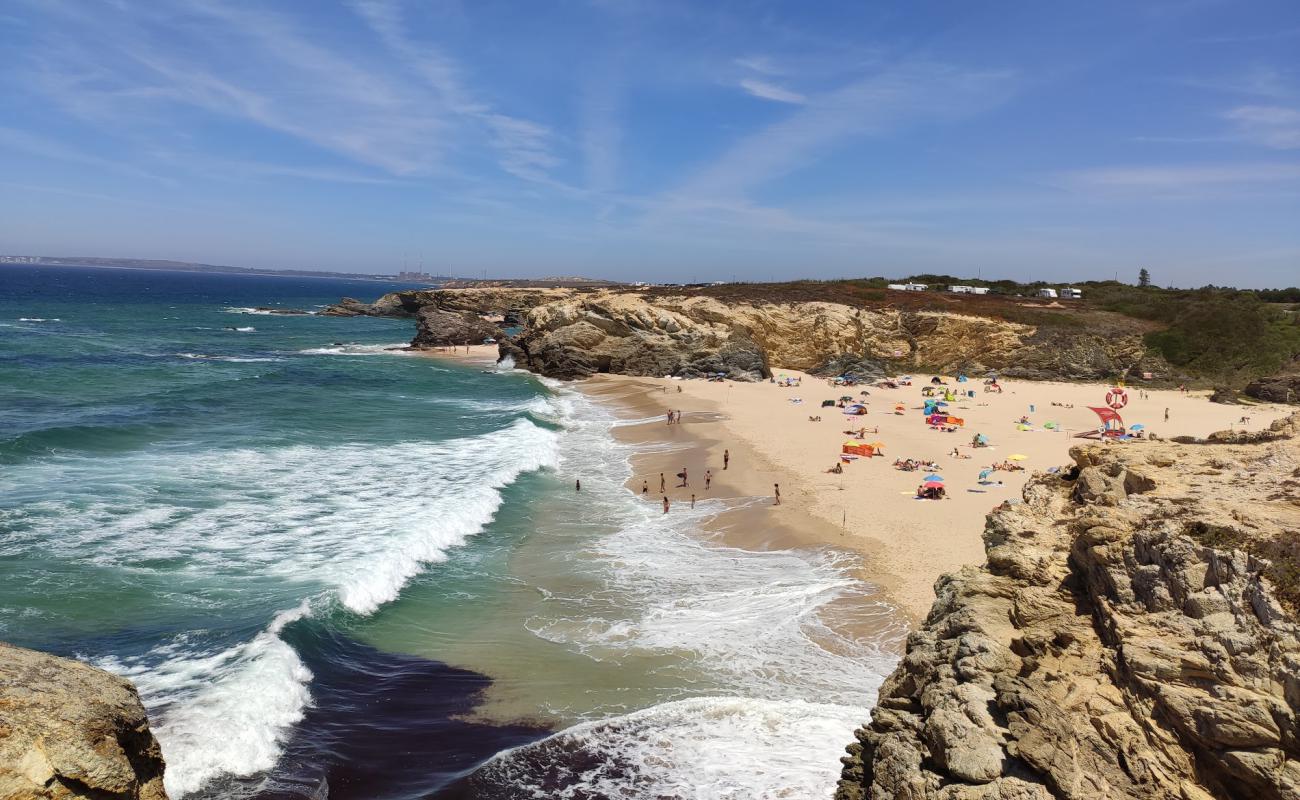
(1047, 293)
(1072, 293)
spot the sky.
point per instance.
(660, 140)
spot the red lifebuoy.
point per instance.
(1117, 398)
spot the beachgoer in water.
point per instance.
(577, 485)
(776, 488)
(726, 458)
(665, 504)
(708, 478)
(692, 501)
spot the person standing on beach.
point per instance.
(663, 487)
(679, 414)
(665, 504)
(776, 487)
(692, 501)
(708, 478)
(1166, 415)
(645, 488)
(682, 475)
(726, 458)
(670, 418)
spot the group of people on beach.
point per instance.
(674, 417)
(684, 476)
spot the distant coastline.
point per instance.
(190, 266)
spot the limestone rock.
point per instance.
(68, 730)
(436, 327)
(1121, 642)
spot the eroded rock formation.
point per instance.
(1132, 635)
(437, 327)
(68, 730)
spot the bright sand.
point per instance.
(871, 507)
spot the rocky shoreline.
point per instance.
(573, 334)
(1132, 635)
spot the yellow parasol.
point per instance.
(1017, 457)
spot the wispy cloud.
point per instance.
(904, 94)
(524, 145)
(770, 91)
(48, 148)
(1181, 177)
(1272, 126)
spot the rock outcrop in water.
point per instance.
(68, 730)
(1132, 635)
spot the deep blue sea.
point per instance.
(335, 569)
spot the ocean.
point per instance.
(338, 570)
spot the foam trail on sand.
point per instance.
(777, 655)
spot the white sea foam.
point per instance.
(245, 310)
(37, 319)
(345, 524)
(226, 713)
(705, 748)
(397, 349)
(247, 329)
(230, 359)
(797, 644)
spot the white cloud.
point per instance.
(1182, 177)
(1272, 126)
(770, 91)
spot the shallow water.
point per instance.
(338, 570)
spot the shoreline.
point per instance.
(904, 544)
(478, 354)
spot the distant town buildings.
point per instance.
(20, 259)
(415, 276)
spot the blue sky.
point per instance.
(660, 140)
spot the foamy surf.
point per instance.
(704, 748)
(397, 349)
(344, 526)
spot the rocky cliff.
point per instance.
(632, 333)
(1132, 635)
(68, 730)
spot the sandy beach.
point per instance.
(871, 507)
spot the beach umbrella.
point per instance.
(985, 473)
(877, 444)
(933, 477)
(1137, 427)
(941, 403)
(1017, 457)
(933, 485)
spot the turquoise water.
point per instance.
(335, 569)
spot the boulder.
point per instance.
(69, 730)
(435, 327)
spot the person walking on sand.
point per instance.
(682, 475)
(663, 487)
(645, 488)
(1166, 415)
(726, 458)
(670, 418)
(708, 478)
(776, 488)
(665, 504)
(679, 414)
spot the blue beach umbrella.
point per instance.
(1137, 427)
(933, 477)
(984, 474)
